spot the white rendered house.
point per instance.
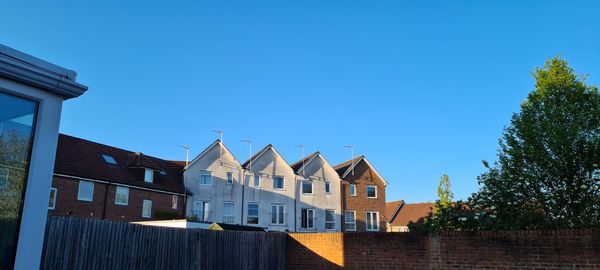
(214, 180)
(269, 193)
(318, 203)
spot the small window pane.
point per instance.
(229, 178)
(52, 202)
(257, 181)
(86, 191)
(109, 159)
(278, 182)
(252, 213)
(352, 190)
(329, 219)
(371, 191)
(122, 196)
(228, 212)
(327, 188)
(206, 178)
(149, 175)
(307, 187)
(147, 209)
(174, 202)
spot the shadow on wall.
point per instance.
(315, 251)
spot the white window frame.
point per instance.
(148, 175)
(311, 187)
(373, 228)
(282, 182)
(256, 181)
(229, 219)
(312, 210)
(327, 186)
(53, 207)
(229, 180)
(147, 203)
(204, 210)
(330, 221)
(279, 215)
(257, 216)
(174, 202)
(353, 220)
(367, 190)
(205, 173)
(79, 195)
(353, 190)
(126, 195)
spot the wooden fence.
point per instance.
(96, 244)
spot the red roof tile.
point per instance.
(411, 212)
(83, 158)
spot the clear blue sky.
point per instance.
(421, 88)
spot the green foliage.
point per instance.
(547, 173)
(445, 196)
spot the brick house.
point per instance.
(98, 181)
(362, 196)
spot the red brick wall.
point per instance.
(566, 249)
(68, 205)
(362, 178)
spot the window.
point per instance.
(329, 219)
(109, 159)
(86, 191)
(148, 175)
(256, 181)
(147, 209)
(327, 187)
(307, 219)
(122, 196)
(252, 213)
(371, 191)
(3, 178)
(372, 221)
(206, 178)
(52, 202)
(278, 182)
(163, 173)
(353, 190)
(17, 123)
(277, 214)
(307, 187)
(350, 220)
(228, 212)
(201, 210)
(174, 202)
(230, 178)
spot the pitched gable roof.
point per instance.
(211, 146)
(256, 156)
(297, 166)
(82, 158)
(392, 209)
(344, 168)
(411, 212)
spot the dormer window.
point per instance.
(149, 175)
(109, 159)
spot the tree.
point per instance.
(445, 196)
(547, 170)
(547, 173)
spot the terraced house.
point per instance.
(93, 180)
(362, 196)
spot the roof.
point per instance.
(411, 212)
(207, 149)
(260, 153)
(82, 158)
(392, 208)
(30, 70)
(346, 167)
(296, 166)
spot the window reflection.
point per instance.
(17, 118)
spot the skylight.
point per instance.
(109, 159)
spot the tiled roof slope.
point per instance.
(391, 209)
(411, 212)
(343, 167)
(83, 158)
(296, 166)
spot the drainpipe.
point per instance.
(243, 191)
(105, 198)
